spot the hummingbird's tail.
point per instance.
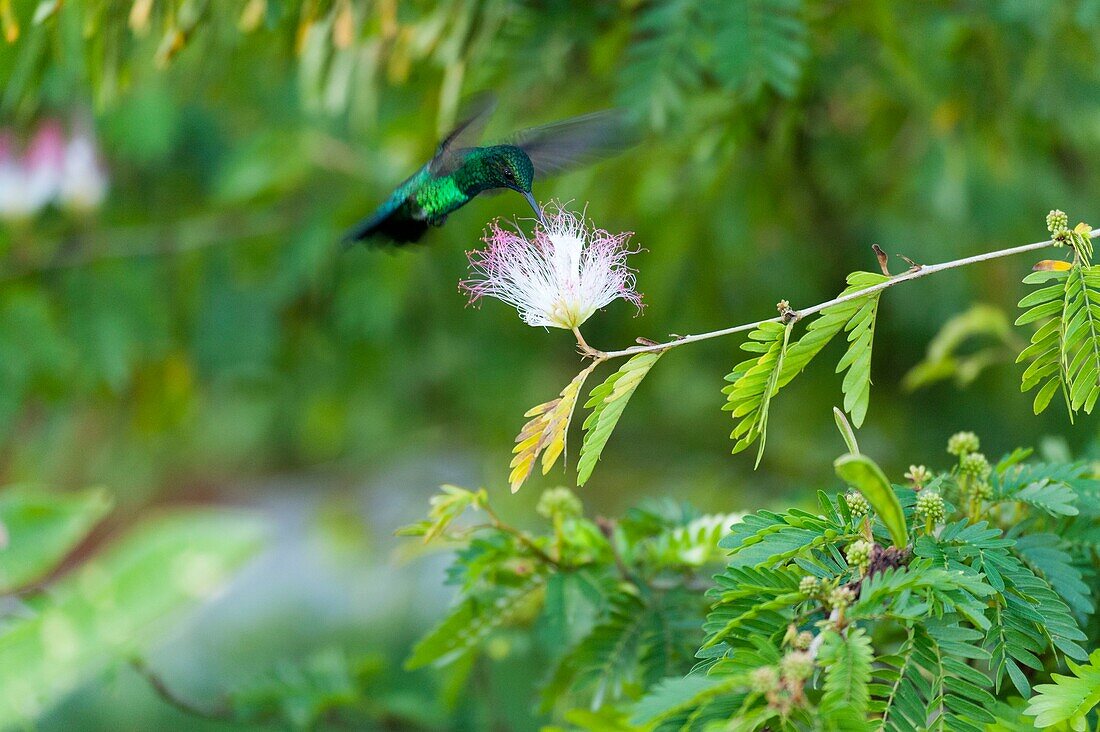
(392, 226)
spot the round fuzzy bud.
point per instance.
(1057, 221)
(804, 639)
(857, 504)
(983, 490)
(840, 598)
(962, 443)
(764, 679)
(930, 506)
(975, 464)
(918, 475)
(859, 554)
(797, 666)
(809, 586)
(559, 502)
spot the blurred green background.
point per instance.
(199, 338)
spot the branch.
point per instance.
(915, 272)
(218, 711)
(520, 536)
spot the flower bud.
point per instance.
(803, 641)
(859, 554)
(983, 490)
(764, 679)
(1057, 221)
(559, 502)
(797, 666)
(840, 598)
(809, 586)
(930, 506)
(962, 443)
(857, 504)
(975, 464)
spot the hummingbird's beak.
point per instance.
(535, 205)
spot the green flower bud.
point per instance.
(962, 443)
(975, 464)
(859, 554)
(930, 506)
(559, 502)
(983, 490)
(1057, 221)
(918, 475)
(809, 586)
(840, 598)
(857, 504)
(797, 666)
(764, 679)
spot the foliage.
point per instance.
(199, 332)
(965, 347)
(607, 401)
(612, 604)
(40, 529)
(837, 618)
(115, 605)
(1069, 698)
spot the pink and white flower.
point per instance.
(558, 279)
(52, 170)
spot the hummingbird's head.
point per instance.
(507, 166)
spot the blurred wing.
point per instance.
(475, 115)
(574, 143)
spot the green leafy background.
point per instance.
(200, 339)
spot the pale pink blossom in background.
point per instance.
(558, 279)
(16, 199)
(52, 170)
(43, 163)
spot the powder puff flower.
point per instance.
(561, 277)
(29, 182)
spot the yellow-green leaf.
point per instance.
(545, 432)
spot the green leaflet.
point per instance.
(759, 44)
(675, 695)
(608, 400)
(860, 472)
(847, 661)
(857, 359)
(1081, 337)
(471, 621)
(846, 431)
(755, 381)
(1069, 698)
(1065, 350)
(1045, 369)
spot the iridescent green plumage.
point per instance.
(460, 170)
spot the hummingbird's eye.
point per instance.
(509, 174)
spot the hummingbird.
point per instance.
(461, 169)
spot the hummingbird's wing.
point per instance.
(475, 115)
(576, 142)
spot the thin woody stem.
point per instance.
(217, 711)
(520, 536)
(915, 273)
(586, 349)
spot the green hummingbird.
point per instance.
(461, 170)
